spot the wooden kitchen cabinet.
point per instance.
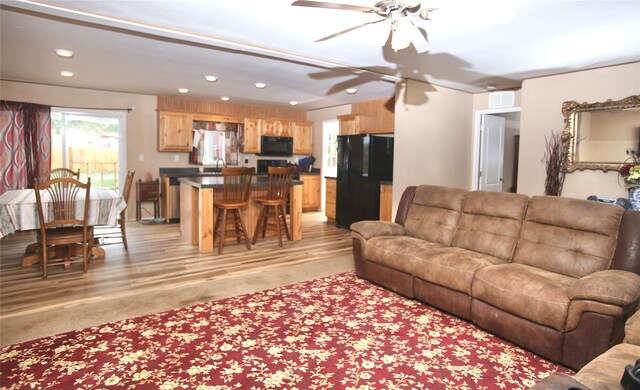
(330, 200)
(174, 131)
(251, 133)
(386, 205)
(374, 116)
(349, 124)
(275, 128)
(310, 192)
(302, 133)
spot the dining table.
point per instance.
(19, 212)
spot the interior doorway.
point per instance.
(496, 150)
(330, 130)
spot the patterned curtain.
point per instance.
(25, 147)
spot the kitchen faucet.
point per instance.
(223, 163)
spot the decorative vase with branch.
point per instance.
(554, 159)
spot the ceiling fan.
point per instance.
(401, 15)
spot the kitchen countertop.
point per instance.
(218, 181)
(211, 172)
(382, 182)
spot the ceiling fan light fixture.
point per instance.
(401, 38)
(409, 3)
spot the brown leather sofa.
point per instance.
(557, 276)
(605, 371)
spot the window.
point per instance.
(330, 131)
(92, 141)
(215, 142)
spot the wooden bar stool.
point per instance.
(235, 195)
(276, 202)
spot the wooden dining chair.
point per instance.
(275, 202)
(235, 195)
(62, 172)
(66, 224)
(104, 233)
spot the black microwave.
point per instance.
(276, 146)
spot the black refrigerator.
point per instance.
(363, 161)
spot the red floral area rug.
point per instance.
(338, 332)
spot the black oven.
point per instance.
(276, 146)
(263, 165)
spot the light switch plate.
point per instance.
(141, 157)
(176, 157)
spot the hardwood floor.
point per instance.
(158, 259)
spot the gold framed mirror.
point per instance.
(601, 135)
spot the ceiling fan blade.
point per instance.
(322, 4)
(348, 30)
(418, 40)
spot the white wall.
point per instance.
(433, 142)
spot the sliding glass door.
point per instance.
(92, 141)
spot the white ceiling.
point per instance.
(157, 46)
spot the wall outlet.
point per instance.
(141, 157)
(176, 157)
(246, 161)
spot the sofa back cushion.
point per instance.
(491, 223)
(435, 213)
(572, 237)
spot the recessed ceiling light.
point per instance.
(183, 90)
(64, 53)
(261, 85)
(225, 98)
(211, 79)
(351, 91)
(67, 73)
(293, 103)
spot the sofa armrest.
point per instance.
(559, 381)
(370, 229)
(632, 329)
(613, 287)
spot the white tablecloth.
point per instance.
(19, 211)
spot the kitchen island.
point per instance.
(197, 213)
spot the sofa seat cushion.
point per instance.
(605, 371)
(531, 293)
(451, 267)
(396, 252)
